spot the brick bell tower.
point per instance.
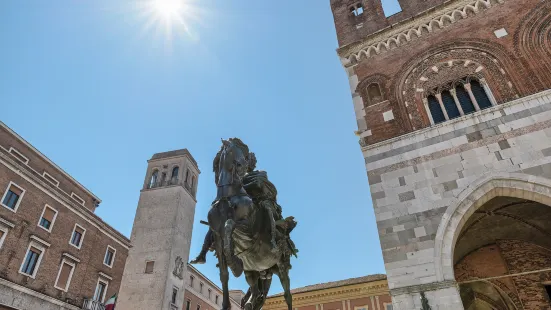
(155, 272)
(453, 106)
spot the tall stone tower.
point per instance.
(155, 272)
(453, 106)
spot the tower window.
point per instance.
(357, 9)
(175, 172)
(154, 178)
(149, 266)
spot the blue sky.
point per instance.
(98, 91)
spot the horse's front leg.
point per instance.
(252, 278)
(224, 275)
(228, 232)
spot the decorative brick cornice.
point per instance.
(405, 31)
(330, 295)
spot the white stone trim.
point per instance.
(14, 210)
(66, 288)
(13, 150)
(105, 276)
(53, 220)
(27, 144)
(38, 295)
(71, 257)
(112, 258)
(42, 250)
(500, 33)
(90, 219)
(81, 239)
(6, 223)
(488, 186)
(39, 240)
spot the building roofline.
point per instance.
(335, 284)
(209, 281)
(172, 154)
(49, 161)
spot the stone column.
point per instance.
(439, 97)
(488, 92)
(457, 103)
(473, 99)
(426, 104)
(440, 295)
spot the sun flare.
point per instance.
(168, 8)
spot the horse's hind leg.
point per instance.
(252, 278)
(283, 273)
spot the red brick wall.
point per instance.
(511, 257)
(91, 254)
(525, 60)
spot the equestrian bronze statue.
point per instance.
(247, 230)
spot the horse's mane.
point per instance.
(216, 162)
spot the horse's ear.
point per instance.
(225, 142)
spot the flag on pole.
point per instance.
(110, 304)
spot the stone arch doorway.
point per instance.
(495, 242)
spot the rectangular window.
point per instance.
(188, 304)
(109, 256)
(548, 290)
(3, 233)
(50, 178)
(32, 260)
(12, 197)
(174, 295)
(48, 218)
(149, 266)
(216, 299)
(77, 198)
(198, 307)
(191, 278)
(209, 292)
(201, 288)
(77, 236)
(388, 306)
(15, 153)
(64, 275)
(101, 288)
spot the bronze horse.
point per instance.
(242, 237)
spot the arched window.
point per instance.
(480, 95)
(153, 180)
(465, 100)
(175, 172)
(435, 110)
(374, 93)
(449, 104)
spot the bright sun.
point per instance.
(168, 8)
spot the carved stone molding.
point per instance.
(411, 29)
(422, 288)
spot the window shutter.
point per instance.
(64, 275)
(49, 214)
(16, 190)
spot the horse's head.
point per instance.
(231, 162)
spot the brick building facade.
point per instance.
(202, 294)
(363, 293)
(55, 253)
(453, 106)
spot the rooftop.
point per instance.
(327, 285)
(174, 153)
